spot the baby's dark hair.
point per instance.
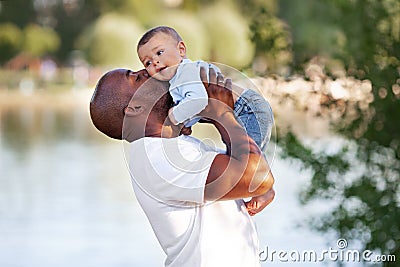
(164, 29)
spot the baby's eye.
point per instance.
(160, 52)
(147, 63)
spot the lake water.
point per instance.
(66, 197)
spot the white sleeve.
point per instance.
(193, 97)
(169, 170)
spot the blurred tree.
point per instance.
(368, 200)
(273, 44)
(270, 35)
(196, 5)
(316, 29)
(72, 18)
(191, 29)
(19, 12)
(10, 41)
(251, 7)
(40, 41)
(375, 54)
(229, 35)
(106, 46)
(145, 13)
(67, 18)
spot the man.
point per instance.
(191, 194)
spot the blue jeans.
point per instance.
(254, 113)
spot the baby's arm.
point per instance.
(194, 100)
(190, 92)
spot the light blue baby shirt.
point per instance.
(188, 92)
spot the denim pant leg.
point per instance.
(254, 113)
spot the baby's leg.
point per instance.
(255, 114)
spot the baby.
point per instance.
(163, 53)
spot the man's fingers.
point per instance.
(212, 76)
(203, 75)
(228, 84)
(220, 79)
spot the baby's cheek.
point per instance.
(151, 72)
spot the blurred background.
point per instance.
(330, 69)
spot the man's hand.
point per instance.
(219, 94)
(186, 130)
(234, 173)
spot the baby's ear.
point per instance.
(182, 49)
(131, 111)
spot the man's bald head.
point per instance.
(113, 94)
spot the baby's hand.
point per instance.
(258, 203)
(186, 130)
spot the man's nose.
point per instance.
(143, 73)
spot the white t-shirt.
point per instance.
(168, 177)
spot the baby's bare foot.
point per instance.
(257, 204)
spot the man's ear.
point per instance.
(133, 110)
(182, 49)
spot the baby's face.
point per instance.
(161, 56)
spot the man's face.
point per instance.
(127, 81)
(145, 93)
(139, 84)
(133, 80)
(140, 88)
(161, 55)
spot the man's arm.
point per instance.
(241, 172)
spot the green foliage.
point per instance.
(111, 41)
(70, 23)
(316, 28)
(229, 35)
(375, 55)
(143, 13)
(251, 7)
(368, 192)
(39, 41)
(19, 12)
(270, 35)
(196, 5)
(365, 190)
(191, 30)
(324, 167)
(10, 41)
(273, 42)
